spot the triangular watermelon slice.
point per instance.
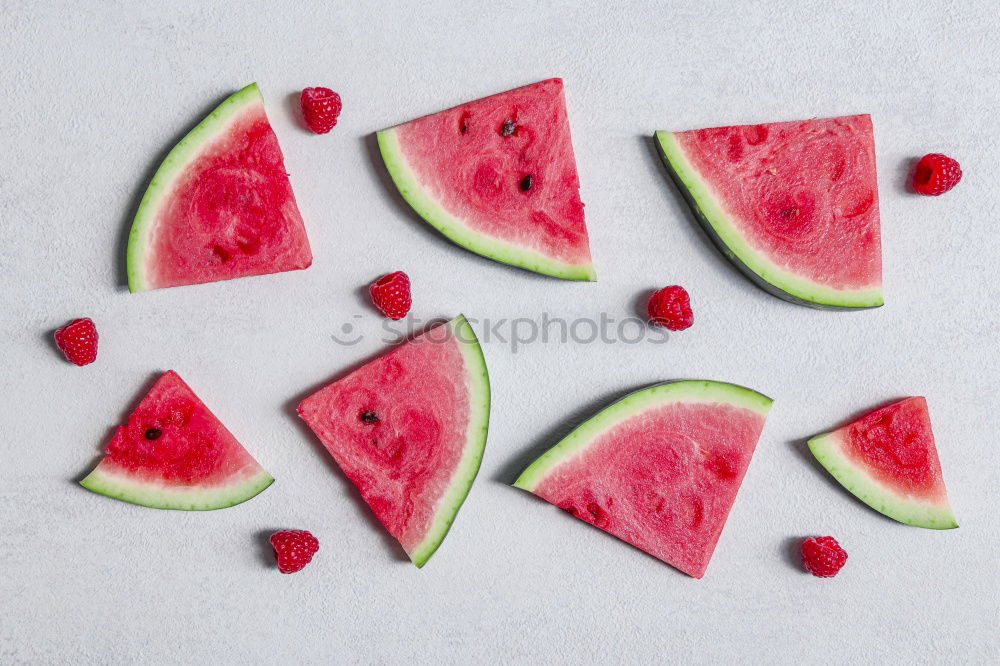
(409, 429)
(173, 453)
(220, 206)
(659, 469)
(888, 459)
(794, 205)
(498, 177)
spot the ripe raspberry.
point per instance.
(293, 549)
(936, 174)
(391, 294)
(823, 556)
(670, 307)
(320, 108)
(78, 341)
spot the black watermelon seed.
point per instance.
(369, 417)
(508, 128)
(153, 433)
(526, 183)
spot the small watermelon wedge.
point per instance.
(173, 453)
(658, 469)
(409, 430)
(793, 205)
(498, 177)
(220, 206)
(888, 460)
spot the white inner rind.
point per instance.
(460, 232)
(687, 391)
(746, 256)
(162, 496)
(829, 451)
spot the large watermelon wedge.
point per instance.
(409, 429)
(498, 177)
(794, 205)
(659, 469)
(220, 206)
(173, 453)
(888, 459)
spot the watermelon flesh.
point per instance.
(888, 459)
(659, 469)
(220, 206)
(409, 430)
(173, 453)
(498, 177)
(792, 204)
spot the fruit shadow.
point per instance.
(640, 304)
(293, 107)
(791, 551)
(904, 175)
(349, 490)
(139, 189)
(801, 447)
(677, 205)
(122, 419)
(377, 165)
(509, 471)
(265, 553)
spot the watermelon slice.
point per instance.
(409, 429)
(173, 453)
(659, 469)
(794, 205)
(887, 458)
(220, 206)
(498, 177)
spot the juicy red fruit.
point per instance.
(78, 341)
(320, 108)
(823, 557)
(670, 308)
(293, 549)
(391, 294)
(936, 174)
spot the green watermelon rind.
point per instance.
(828, 450)
(472, 457)
(764, 272)
(460, 233)
(158, 496)
(180, 156)
(688, 390)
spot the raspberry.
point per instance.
(823, 556)
(293, 549)
(320, 108)
(670, 308)
(78, 341)
(936, 174)
(391, 294)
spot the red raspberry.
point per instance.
(936, 174)
(78, 341)
(320, 108)
(293, 549)
(670, 307)
(823, 556)
(391, 294)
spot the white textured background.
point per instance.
(91, 100)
